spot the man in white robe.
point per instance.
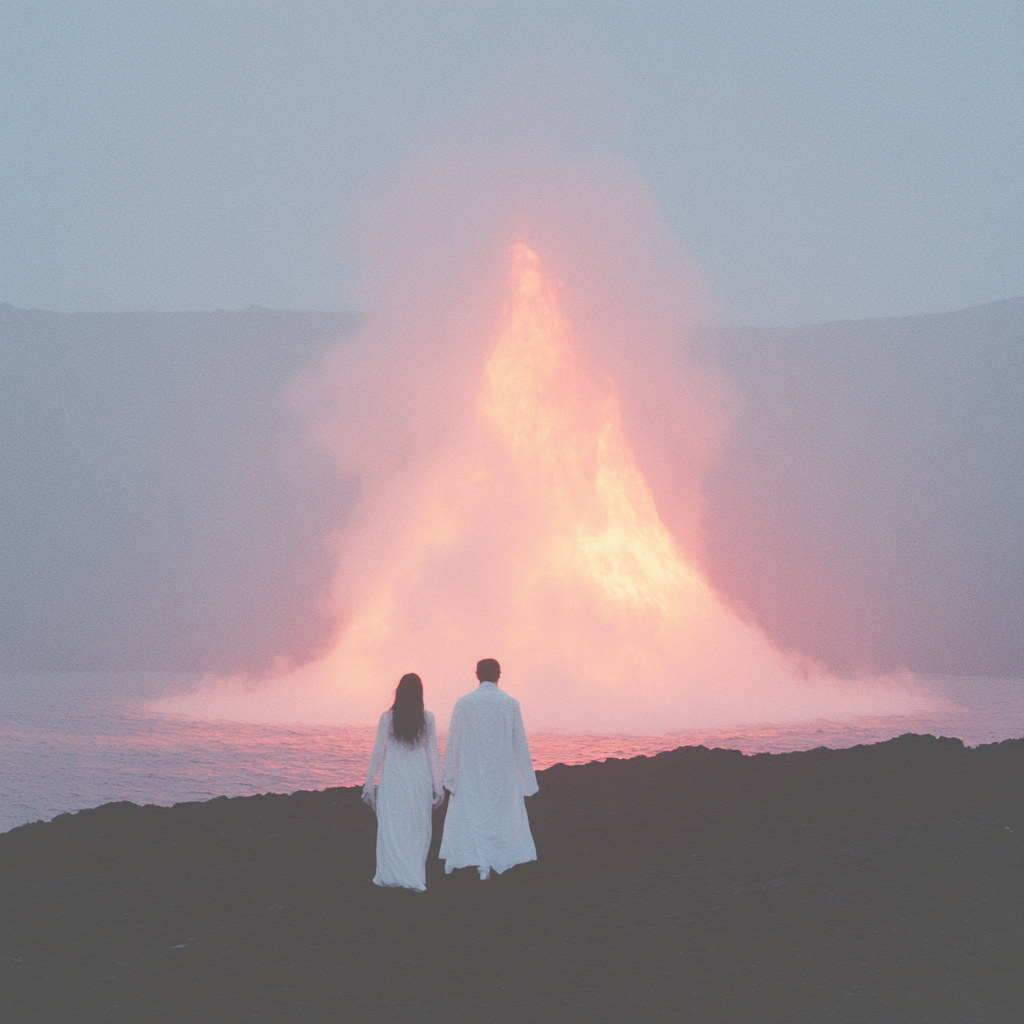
(488, 771)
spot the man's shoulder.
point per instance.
(491, 695)
(481, 690)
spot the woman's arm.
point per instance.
(434, 759)
(377, 759)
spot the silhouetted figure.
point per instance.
(410, 786)
(488, 771)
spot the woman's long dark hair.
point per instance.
(407, 722)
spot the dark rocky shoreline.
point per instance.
(880, 883)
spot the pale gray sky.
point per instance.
(819, 160)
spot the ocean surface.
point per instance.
(74, 740)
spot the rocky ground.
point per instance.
(881, 883)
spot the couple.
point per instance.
(488, 771)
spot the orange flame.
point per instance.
(566, 436)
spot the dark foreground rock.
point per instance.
(880, 883)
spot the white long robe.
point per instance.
(488, 771)
(410, 780)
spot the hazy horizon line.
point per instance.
(256, 307)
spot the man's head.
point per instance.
(488, 670)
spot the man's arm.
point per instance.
(521, 749)
(451, 751)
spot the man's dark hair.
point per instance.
(488, 670)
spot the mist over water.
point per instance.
(69, 741)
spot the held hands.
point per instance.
(370, 796)
(438, 800)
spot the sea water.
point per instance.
(74, 740)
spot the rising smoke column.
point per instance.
(506, 447)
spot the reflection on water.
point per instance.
(69, 741)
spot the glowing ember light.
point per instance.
(529, 533)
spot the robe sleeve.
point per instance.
(433, 757)
(521, 749)
(451, 751)
(377, 758)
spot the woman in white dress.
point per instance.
(410, 787)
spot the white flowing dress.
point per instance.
(410, 783)
(488, 771)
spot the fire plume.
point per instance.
(528, 532)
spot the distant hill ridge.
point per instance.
(1012, 307)
(870, 506)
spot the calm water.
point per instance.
(75, 740)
